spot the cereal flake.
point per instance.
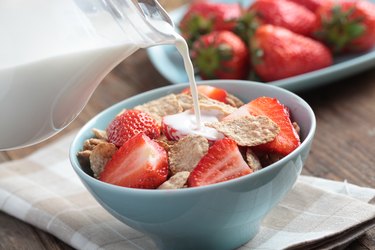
(100, 134)
(163, 141)
(248, 130)
(163, 106)
(296, 128)
(234, 101)
(252, 160)
(176, 181)
(216, 105)
(100, 155)
(185, 154)
(185, 101)
(91, 143)
(84, 158)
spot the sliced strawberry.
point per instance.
(129, 123)
(287, 140)
(211, 92)
(139, 163)
(222, 162)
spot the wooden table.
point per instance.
(343, 149)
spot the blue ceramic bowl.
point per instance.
(220, 216)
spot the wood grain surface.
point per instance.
(343, 148)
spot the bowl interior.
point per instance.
(245, 90)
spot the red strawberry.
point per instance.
(286, 14)
(287, 140)
(211, 92)
(139, 163)
(222, 55)
(312, 5)
(278, 53)
(129, 123)
(347, 26)
(203, 17)
(222, 162)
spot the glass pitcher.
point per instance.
(54, 53)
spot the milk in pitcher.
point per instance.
(53, 54)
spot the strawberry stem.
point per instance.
(246, 26)
(210, 57)
(339, 30)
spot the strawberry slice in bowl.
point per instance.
(139, 163)
(222, 162)
(211, 92)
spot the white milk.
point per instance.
(53, 54)
(52, 57)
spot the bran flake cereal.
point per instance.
(252, 160)
(248, 130)
(163, 106)
(100, 155)
(234, 101)
(176, 181)
(185, 154)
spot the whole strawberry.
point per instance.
(286, 14)
(279, 53)
(347, 26)
(312, 5)
(129, 123)
(220, 55)
(203, 17)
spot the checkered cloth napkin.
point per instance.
(44, 191)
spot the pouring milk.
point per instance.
(55, 53)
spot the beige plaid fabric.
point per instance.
(44, 191)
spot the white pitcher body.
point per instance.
(53, 55)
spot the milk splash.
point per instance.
(183, 49)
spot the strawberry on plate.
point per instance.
(286, 14)
(222, 162)
(347, 26)
(139, 163)
(287, 140)
(129, 123)
(215, 93)
(312, 5)
(202, 17)
(220, 55)
(279, 53)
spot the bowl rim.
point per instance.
(172, 88)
